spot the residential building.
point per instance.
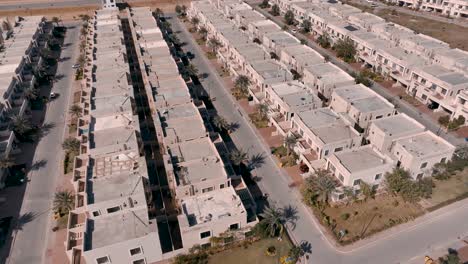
(325, 77)
(361, 105)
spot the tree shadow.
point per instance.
(59, 77)
(24, 219)
(306, 247)
(38, 164)
(66, 45)
(290, 215)
(64, 59)
(256, 161)
(233, 126)
(204, 75)
(41, 131)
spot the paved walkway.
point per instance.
(29, 242)
(400, 104)
(444, 225)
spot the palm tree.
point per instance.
(262, 110)
(321, 184)
(214, 43)
(56, 20)
(63, 202)
(21, 125)
(191, 70)
(195, 21)
(203, 33)
(289, 142)
(31, 93)
(238, 156)
(242, 83)
(84, 18)
(158, 12)
(220, 123)
(76, 111)
(174, 39)
(71, 145)
(6, 162)
(274, 219)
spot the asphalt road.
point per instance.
(432, 231)
(47, 4)
(401, 105)
(30, 242)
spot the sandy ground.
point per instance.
(71, 13)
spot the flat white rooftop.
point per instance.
(361, 159)
(398, 125)
(212, 206)
(425, 144)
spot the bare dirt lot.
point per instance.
(454, 35)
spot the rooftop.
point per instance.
(425, 144)
(397, 125)
(319, 117)
(361, 159)
(193, 150)
(212, 206)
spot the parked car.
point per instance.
(294, 31)
(53, 95)
(433, 106)
(76, 66)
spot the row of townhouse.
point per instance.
(428, 68)
(20, 42)
(212, 199)
(356, 136)
(449, 8)
(125, 196)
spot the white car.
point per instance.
(75, 66)
(294, 31)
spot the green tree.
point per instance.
(295, 253)
(178, 10)
(264, 4)
(195, 21)
(203, 33)
(85, 18)
(31, 93)
(289, 142)
(396, 180)
(6, 162)
(200, 257)
(275, 10)
(214, 43)
(366, 190)
(242, 83)
(273, 219)
(306, 26)
(63, 202)
(76, 111)
(289, 17)
(56, 20)
(71, 145)
(262, 110)
(21, 125)
(324, 41)
(158, 12)
(220, 123)
(318, 188)
(345, 49)
(191, 70)
(238, 156)
(362, 78)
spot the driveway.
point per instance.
(30, 241)
(432, 231)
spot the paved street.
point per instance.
(432, 231)
(12, 5)
(402, 105)
(30, 241)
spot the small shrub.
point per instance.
(345, 216)
(395, 203)
(356, 213)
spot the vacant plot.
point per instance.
(254, 253)
(448, 190)
(363, 218)
(453, 34)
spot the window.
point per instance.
(357, 182)
(420, 175)
(139, 261)
(341, 196)
(339, 149)
(103, 260)
(96, 213)
(443, 160)
(207, 190)
(113, 209)
(135, 251)
(205, 234)
(378, 176)
(331, 167)
(221, 186)
(375, 187)
(424, 165)
(326, 152)
(341, 177)
(234, 227)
